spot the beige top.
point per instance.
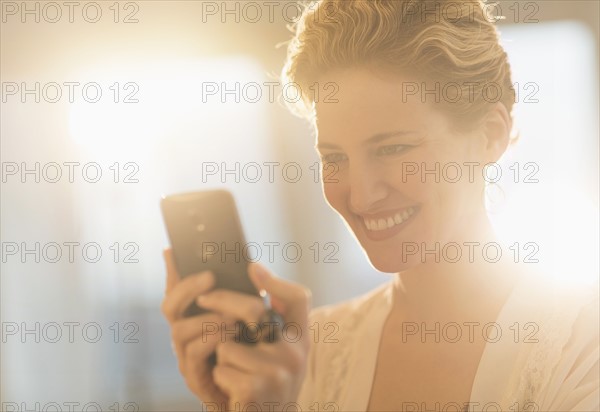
(550, 367)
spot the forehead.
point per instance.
(359, 103)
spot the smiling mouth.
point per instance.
(389, 222)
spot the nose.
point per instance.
(367, 188)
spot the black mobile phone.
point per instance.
(205, 233)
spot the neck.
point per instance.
(474, 287)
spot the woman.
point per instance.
(419, 100)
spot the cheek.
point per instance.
(409, 179)
(334, 195)
(442, 202)
(449, 204)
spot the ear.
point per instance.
(497, 125)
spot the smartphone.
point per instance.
(205, 233)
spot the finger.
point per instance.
(184, 292)
(185, 330)
(290, 299)
(239, 386)
(243, 357)
(233, 304)
(172, 275)
(196, 352)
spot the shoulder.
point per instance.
(574, 306)
(567, 311)
(574, 383)
(556, 297)
(561, 372)
(584, 329)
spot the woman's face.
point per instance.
(394, 167)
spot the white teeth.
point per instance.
(382, 224)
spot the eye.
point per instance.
(391, 149)
(333, 158)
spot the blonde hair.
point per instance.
(449, 42)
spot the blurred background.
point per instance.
(139, 99)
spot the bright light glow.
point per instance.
(168, 94)
(559, 134)
(564, 229)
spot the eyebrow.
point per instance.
(371, 140)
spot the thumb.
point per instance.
(290, 299)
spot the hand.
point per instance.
(194, 339)
(267, 374)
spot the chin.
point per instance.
(390, 264)
(387, 250)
